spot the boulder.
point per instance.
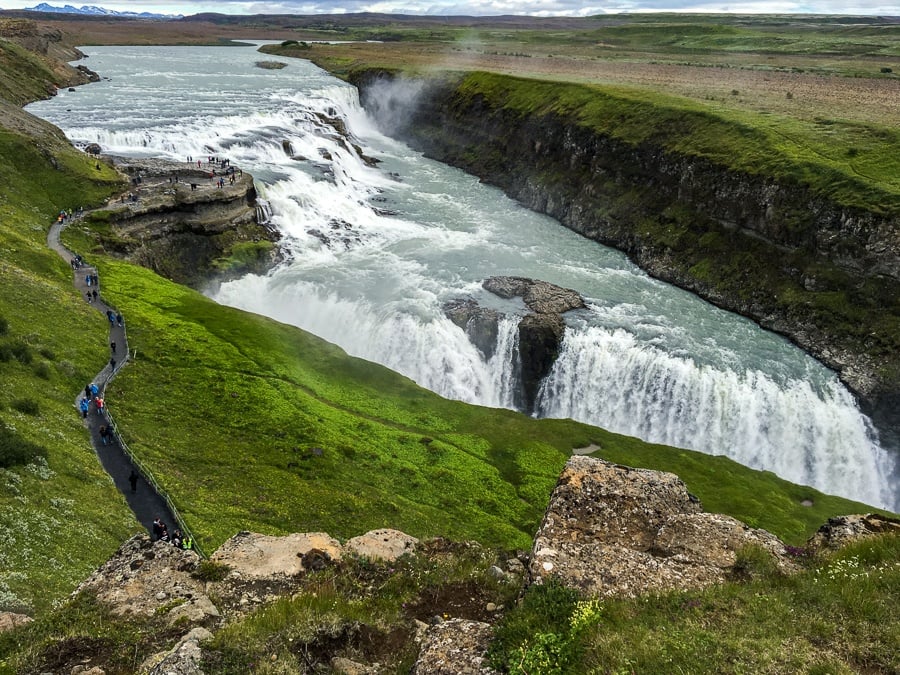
(454, 647)
(10, 620)
(612, 530)
(185, 657)
(259, 556)
(843, 530)
(382, 544)
(541, 297)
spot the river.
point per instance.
(374, 251)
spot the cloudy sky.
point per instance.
(484, 7)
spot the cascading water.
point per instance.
(374, 252)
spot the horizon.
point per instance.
(483, 8)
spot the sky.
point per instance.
(484, 7)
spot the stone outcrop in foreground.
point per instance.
(611, 530)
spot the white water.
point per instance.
(376, 251)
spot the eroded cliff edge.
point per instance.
(824, 274)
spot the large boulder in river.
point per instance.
(611, 530)
(479, 323)
(540, 333)
(540, 296)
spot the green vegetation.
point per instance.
(837, 616)
(791, 150)
(251, 424)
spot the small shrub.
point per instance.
(735, 92)
(42, 370)
(752, 562)
(4, 326)
(22, 352)
(15, 450)
(852, 152)
(27, 406)
(211, 571)
(789, 95)
(887, 70)
(47, 353)
(530, 632)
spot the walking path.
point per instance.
(144, 500)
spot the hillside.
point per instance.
(254, 425)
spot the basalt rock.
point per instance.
(843, 530)
(611, 530)
(540, 333)
(175, 220)
(479, 323)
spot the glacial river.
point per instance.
(374, 252)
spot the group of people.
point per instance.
(177, 539)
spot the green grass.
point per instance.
(59, 512)
(813, 154)
(836, 616)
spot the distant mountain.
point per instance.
(93, 10)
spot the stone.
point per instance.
(163, 578)
(480, 324)
(455, 647)
(185, 657)
(842, 530)
(10, 620)
(383, 544)
(612, 530)
(260, 556)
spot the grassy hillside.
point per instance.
(59, 513)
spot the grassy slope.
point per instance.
(215, 393)
(60, 520)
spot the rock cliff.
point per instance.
(177, 221)
(773, 250)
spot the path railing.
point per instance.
(142, 468)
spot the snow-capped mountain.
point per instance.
(98, 11)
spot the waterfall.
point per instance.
(818, 438)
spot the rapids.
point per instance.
(374, 250)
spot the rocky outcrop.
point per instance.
(455, 647)
(540, 332)
(611, 530)
(177, 221)
(843, 530)
(11, 620)
(765, 248)
(151, 579)
(385, 544)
